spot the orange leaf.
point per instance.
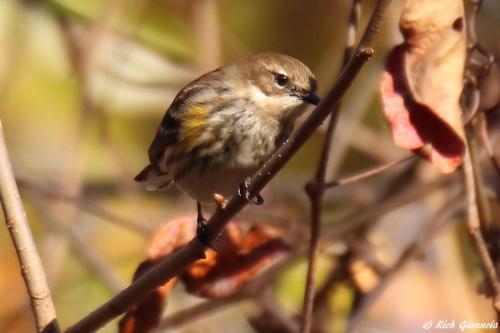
(220, 274)
(145, 316)
(422, 83)
(172, 236)
(223, 273)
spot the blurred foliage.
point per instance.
(86, 131)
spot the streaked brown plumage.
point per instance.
(222, 126)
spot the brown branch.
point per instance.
(476, 211)
(475, 222)
(194, 250)
(356, 221)
(29, 260)
(85, 204)
(398, 192)
(485, 139)
(369, 173)
(316, 187)
(81, 245)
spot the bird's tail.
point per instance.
(154, 178)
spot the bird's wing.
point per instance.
(166, 135)
(185, 116)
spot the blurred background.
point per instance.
(83, 86)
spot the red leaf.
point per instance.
(422, 83)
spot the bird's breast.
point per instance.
(244, 140)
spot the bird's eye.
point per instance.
(281, 79)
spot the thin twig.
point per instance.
(31, 265)
(370, 172)
(81, 60)
(315, 189)
(398, 192)
(83, 248)
(194, 250)
(356, 221)
(475, 208)
(485, 139)
(86, 205)
(474, 224)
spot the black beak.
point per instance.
(311, 98)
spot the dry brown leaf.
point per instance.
(220, 274)
(223, 273)
(422, 83)
(145, 316)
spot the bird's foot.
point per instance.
(202, 234)
(202, 231)
(245, 194)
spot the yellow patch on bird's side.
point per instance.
(193, 124)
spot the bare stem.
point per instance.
(81, 245)
(476, 211)
(85, 204)
(475, 224)
(316, 187)
(31, 265)
(369, 173)
(359, 220)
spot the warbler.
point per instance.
(222, 126)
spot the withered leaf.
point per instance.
(223, 273)
(422, 83)
(220, 274)
(145, 316)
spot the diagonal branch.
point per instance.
(369, 173)
(83, 247)
(194, 250)
(31, 265)
(476, 211)
(85, 204)
(475, 222)
(316, 188)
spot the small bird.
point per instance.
(221, 127)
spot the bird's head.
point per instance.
(279, 85)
